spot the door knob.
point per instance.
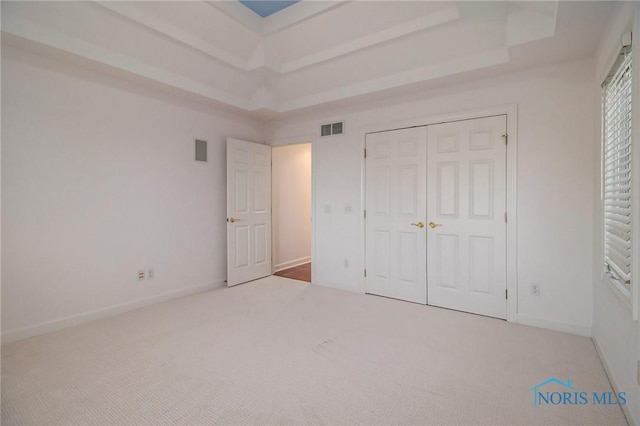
(233, 220)
(434, 225)
(419, 224)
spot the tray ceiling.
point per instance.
(264, 8)
(311, 52)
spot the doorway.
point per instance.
(291, 211)
(436, 202)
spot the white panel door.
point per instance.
(466, 163)
(248, 211)
(395, 210)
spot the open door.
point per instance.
(248, 211)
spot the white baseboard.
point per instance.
(58, 324)
(336, 286)
(554, 325)
(291, 264)
(625, 408)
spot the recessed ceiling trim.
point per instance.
(26, 30)
(47, 37)
(459, 65)
(173, 32)
(261, 80)
(297, 13)
(292, 15)
(239, 13)
(425, 22)
(265, 8)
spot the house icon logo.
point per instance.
(536, 393)
(563, 393)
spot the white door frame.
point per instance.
(295, 141)
(511, 111)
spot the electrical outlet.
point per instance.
(141, 275)
(535, 289)
(151, 274)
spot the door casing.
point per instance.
(300, 140)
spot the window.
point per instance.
(616, 126)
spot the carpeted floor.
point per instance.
(278, 351)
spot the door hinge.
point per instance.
(365, 213)
(365, 153)
(506, 294)
(506, 139)
(505, 217)
(365, 273)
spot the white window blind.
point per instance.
(617, 170)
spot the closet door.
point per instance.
(395, 214)
(466, 240)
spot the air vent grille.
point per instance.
(201, 150)
(331, 129)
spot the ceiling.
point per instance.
(311, 53)
(264, 8)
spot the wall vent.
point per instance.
(201, 150)
(331, 129)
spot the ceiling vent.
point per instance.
(332, 129)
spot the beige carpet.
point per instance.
(278, 351)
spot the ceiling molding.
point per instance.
(297, 13)
(425, 22)
(456, 66)
(239, 13)
(292, 15)
(261, 61)
(26, 30)
(258, 59)
(216, 58)
(141, 18)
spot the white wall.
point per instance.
(291, 195)
(555, 186)
(616, 334)
(98, 181)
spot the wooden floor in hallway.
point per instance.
(301, 273)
